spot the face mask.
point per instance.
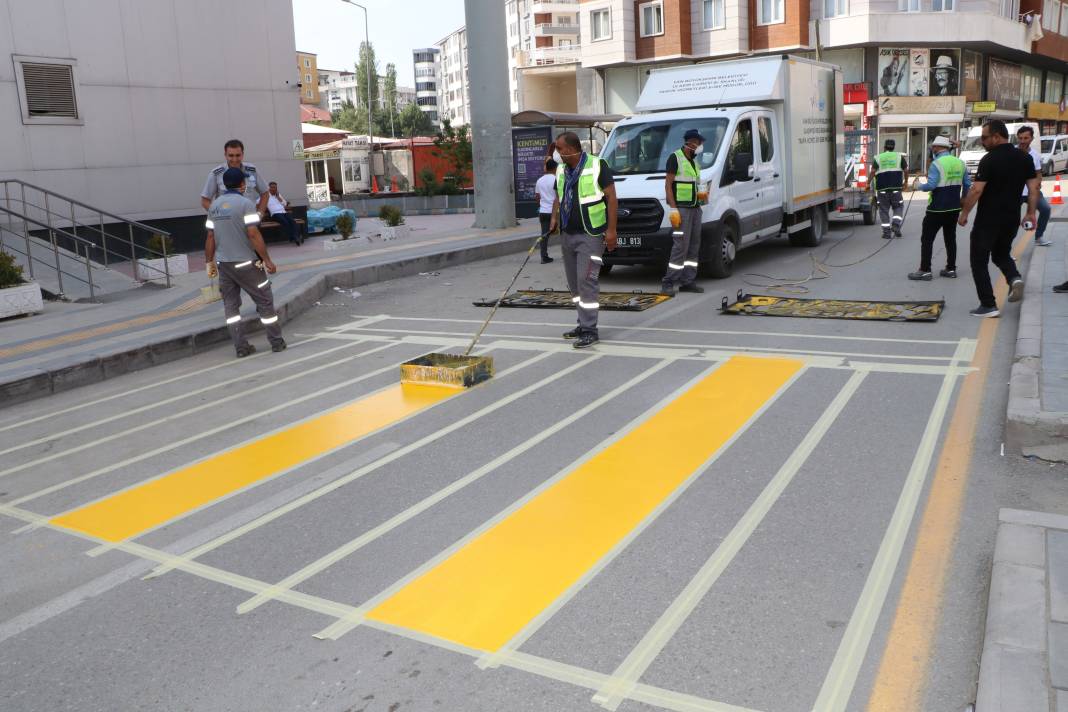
(557, 158)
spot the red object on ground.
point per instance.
(1057, 199)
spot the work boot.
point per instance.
(947, 272)
(921, 275)
(667, 289)
(246, 350)
(886, 235)
(1061, 288)
(897, 232)
(1016, 290)
(278, 346)
(573, 334)
(986, 312)
(585, 340)
(691, 287)
(546, 260)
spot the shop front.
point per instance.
(913, 122)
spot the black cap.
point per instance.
(890, 144)
(693, 133)
(233, 177)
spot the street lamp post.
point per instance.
(370, 111)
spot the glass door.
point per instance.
(917, 150)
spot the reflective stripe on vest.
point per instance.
(592, 206)
(946, 196)
(888, 172)
(686, 178)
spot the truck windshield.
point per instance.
(644, 148)
(972, 143)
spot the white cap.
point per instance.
(942, 141)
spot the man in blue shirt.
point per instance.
(947, 183)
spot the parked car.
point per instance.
(1054, 154)
(972, 151)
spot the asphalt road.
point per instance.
(704, 512)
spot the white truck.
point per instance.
(772, 161)
(972, 151)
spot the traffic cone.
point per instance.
(862, 176)
(374, 184)
(393, 184)
(1056, 199)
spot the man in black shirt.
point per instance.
(1000, 180)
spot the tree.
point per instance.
(367, 57)
(349, 118)
(454, 147)
(413, 121)
(389, 94)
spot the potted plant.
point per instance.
(156, 268)
(17, 296)
(345, 224)
(394, 222)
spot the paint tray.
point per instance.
(447, 370)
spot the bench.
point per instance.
(272, 230)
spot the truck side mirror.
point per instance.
(742, 166)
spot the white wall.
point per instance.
(731, 39)
(617, 50)
(163, 84)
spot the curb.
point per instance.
(100, 366)
(1029, 430)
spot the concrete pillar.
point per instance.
(491, 118)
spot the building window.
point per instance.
(307, 62)
(1054, 87)
(713, 15)
(910, 5)
(1031, 85)
(308, 93)
(1050, 15)
(838, 8)
(307, 79)
(48, 90)
(1064, 19)
(652, 18)
(767, 139)
(600, 24)
(564, 43)
(563, 21)
(943, 5)
(770, 12)
(1010, 9)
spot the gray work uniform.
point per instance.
(229, 217)
(685, 240)
(582, 257)
(890, 211)
(255, 184)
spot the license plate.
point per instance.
(629, 240)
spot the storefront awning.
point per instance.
(906, 120)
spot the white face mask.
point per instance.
(557, 158)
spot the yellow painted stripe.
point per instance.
(131, 512)
(489, 590)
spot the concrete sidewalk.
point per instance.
(75, 344)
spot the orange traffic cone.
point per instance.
(862, 176)
(393, 184)
(374, 184)
(1056, 199)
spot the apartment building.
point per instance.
(913, 69)
(454, 102)
(427, 74)
(308, 70)
(544, 54)
(342, 87)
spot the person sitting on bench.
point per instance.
(276, 206)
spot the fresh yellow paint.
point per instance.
(489, 590)
(128, 513)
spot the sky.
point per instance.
(333, 30)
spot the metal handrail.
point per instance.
(7, 246)
(55, 249)
(98, 211)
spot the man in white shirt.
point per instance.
(1024, 138)
(546, 190)
(276, 208)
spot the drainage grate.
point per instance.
(551, 299)
(763, 305)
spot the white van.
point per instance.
(972, 151)
(1054, 154)
(772, 161)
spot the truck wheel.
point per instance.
(605, 269)
(720, 253)
(869, 215)
(812, 235)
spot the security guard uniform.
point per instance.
(230, 216)
(947, 182)
(583, 244)
(888, 177)
(255, 184)
(686, 238)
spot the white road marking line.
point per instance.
(344, 625)
(842, 677)
(155, 384)
(358, 473)
(763, 349)
(102, 584)
(206, 433)
(397, 520)
(625, 678)
(491, 660)
(610, 328)
(93, 423)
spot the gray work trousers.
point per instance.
(890, 201)
(685, 246)
(235, 277)
(582, 266)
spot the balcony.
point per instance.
(541, 56)
(935, 28)
(555, 6)
(548, 30)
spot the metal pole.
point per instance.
(26, 232)
(370, 110)
(89, 269)
(166, 262)
(133, 252)
(55, 247)
(491, 119)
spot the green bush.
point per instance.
(345, 225)
(391, 215)
(428, 183)
(160, 245)
(10, 273)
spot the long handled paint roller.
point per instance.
(465, 370)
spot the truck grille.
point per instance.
(645, 216)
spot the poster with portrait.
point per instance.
(919, 62)
(893, 71)
(945, 73)
(1006, 84)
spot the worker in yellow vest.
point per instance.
(888, 171)
(684, 193)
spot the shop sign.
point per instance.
(855, 93)
(921, 105)
(1048, 112)
(1006, 83)
(298, 148)
(984, 107)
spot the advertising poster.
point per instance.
(1006, 82)
(945, 72)
(529, 149)
(972, 76)
(920, 65)
(893, 72)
